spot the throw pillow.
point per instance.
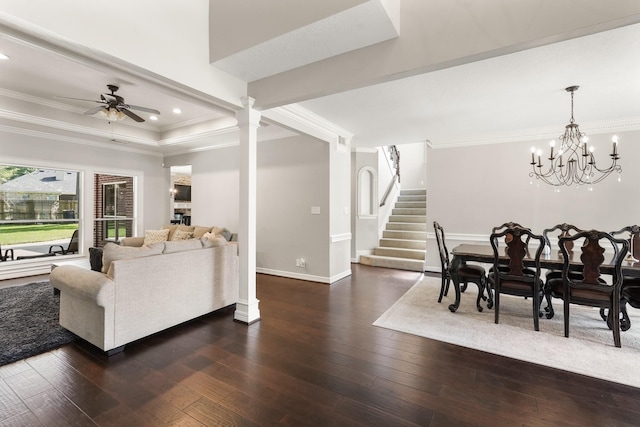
(182, 235)
(112, 252)
(95, 258)
(155, 236)
(199, 231)
(211, 241)
(172, 229)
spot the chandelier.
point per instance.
(573, 162)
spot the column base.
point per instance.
(247, 312)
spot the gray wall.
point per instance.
(472, 189)
(293, 176)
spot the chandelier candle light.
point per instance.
(573, 163)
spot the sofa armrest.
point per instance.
(132, 241)
(83, 283)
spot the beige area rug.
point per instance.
(589, 350)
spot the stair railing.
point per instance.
(394, 155)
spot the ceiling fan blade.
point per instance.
(131, 114)
(108, 97)
(145, 109)
(92, 111)
(79, 99)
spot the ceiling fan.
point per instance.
(113, 106)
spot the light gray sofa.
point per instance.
(150, 289)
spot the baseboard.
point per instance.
(307, 277)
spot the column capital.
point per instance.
(247, 116)
(247, 102)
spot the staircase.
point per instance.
(403, 241)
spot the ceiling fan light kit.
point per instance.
(111, 114)
(573, 163)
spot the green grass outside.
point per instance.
(33, 233)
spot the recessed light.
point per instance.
(3, 56)
(154, 118)
(177, 111)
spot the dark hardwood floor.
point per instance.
(313, 360)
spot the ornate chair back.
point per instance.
(564, 230)
(632, 232)
(588, 286)
(514, 278)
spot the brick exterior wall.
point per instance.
(128, 196)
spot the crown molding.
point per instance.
(300, 119)
(591, 128)
(69, 127)
(115, 145)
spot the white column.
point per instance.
(247, 310)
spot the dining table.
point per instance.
(551, 259)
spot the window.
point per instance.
(39, 210)
(114, 208)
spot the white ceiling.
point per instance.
(505, 97)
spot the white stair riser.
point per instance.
(407, 226)
(399, 243)
(407, 235)
(408, 211)
(412, 199)
(408, 218)
(399, 252)
(411, 205)
(386, 262)
(419, 191)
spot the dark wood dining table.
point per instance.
(483, 253)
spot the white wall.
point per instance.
(473, 189)
(412, 165)
(214, 186)
(364, 229)
(340, 206)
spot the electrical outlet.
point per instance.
(300, 262)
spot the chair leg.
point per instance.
(615, 311)
(566, 316)
(444, 287)
(536, 311)
(496, 307)
(625, 322)
(481, 286)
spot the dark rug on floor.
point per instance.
(29, 322)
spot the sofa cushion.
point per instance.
(181, 245)
(155, 236)
(95, 258)
(199, 231)
(209, 240)
(182, 235)
(112, 252)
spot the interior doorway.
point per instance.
(181, 194)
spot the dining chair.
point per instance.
(629, 292)
(8, 254)
(466, 273)
(589, 287)
(71, 248)
(513, 278)
(563, 229)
